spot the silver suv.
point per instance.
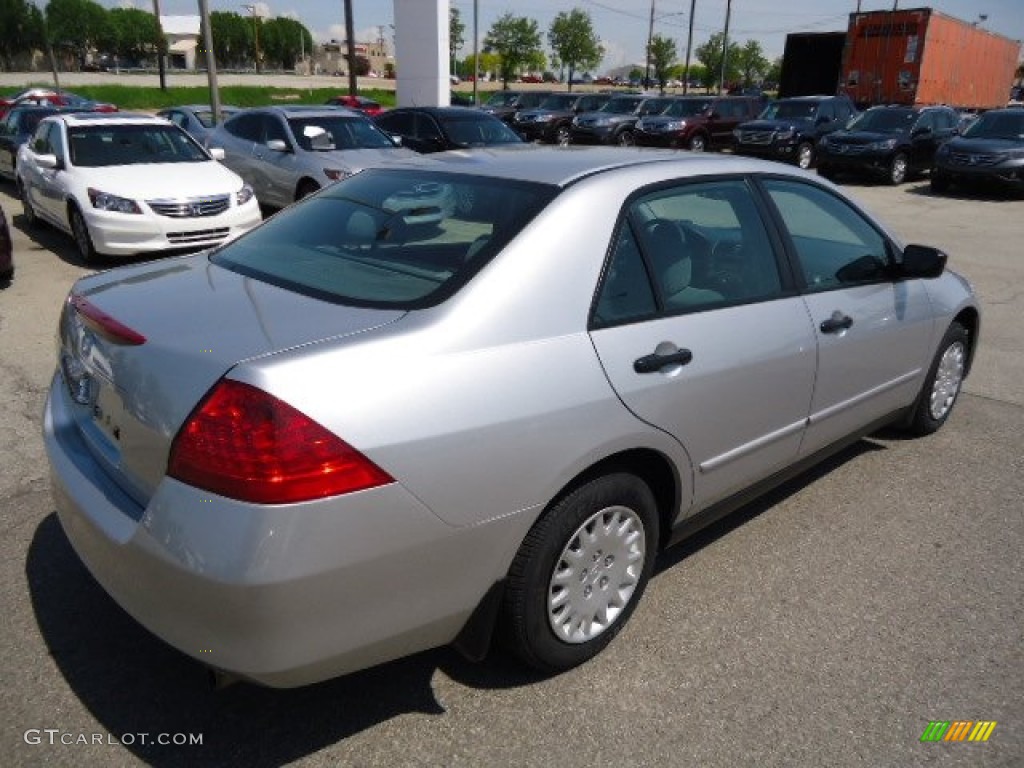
(286, 153)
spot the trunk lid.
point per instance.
(198, 320)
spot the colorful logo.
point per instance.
(958, 730)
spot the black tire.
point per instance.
(899, 168)
(625, 139)
(80, 234)
(938, 182)
(563, 136)
(624, 553)
(804, 157)
(27, 211)
(827, 171)
(305, 189)
(697, 143)
(943, 382)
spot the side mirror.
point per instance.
(217, 153)
(278, 145)
(395, 139)
(922, 261)
(50, 162)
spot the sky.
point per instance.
(622, 25)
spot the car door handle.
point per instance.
(655, 362)
(838, 322)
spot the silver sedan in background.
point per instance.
(286, 153)
(351, 434)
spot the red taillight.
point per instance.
(111, 329)
(246, 444)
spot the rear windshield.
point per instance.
(400, 239)
(94, 146)
(478, 130)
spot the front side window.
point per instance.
(246, 127)
(387, 238)
(332, 132)
(834, 243)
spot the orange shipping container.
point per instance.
(920, 56)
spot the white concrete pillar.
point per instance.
(421, 53)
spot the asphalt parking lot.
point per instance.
(825, 625)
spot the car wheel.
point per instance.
(938, 182)
(625, 139)
(27, 211)
(306, 188)
(697, 144)
(826, 171)
(942, 385)
(898, 169)
(83, 240)
(580, 572)
(804, 155)
(563, 137)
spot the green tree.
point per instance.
(576, 45)
(489, 62)
(456, 32)
(751, 62)
(232, 35)
(75, 26)
(516, 40)
(774, 73)
(130, 33)
(282, 41)
(22, 30)
(710, 55)
(662, 52)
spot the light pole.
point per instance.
(650, 38)
(255, 33)
(725, 46)
(689, 46)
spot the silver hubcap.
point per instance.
(697, 145)
(804, 158)
(563, 137)
(948, 377)
(596, 574)
(899, 169)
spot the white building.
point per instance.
(182, 34)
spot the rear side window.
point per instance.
(387, 238)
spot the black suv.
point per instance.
(551, 121)
(789, 129)
(614, 122)
(891, 142)
(991, 151)
(504, 104)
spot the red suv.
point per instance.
(697, 122)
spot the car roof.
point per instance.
(445, 111)
(107, 118)
(562, 166)
(200, 108)
(306, 110)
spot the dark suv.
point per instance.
(697, 122)
(551, 121)
(614, 122)
(892, 142)
(504, 104)
(789, 129)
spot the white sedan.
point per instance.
(127, 184)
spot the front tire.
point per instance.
(804, 155)
(943, 383)
(580, 573)
(563, 137)
(938, 182)
(898, 169)
(27, 211)
(625, 139)
(80, 233)
(305, 189)
(697, 144)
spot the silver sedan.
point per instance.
(355, 433)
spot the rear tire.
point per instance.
(697, 143)
(563, 137)
(938, 182)
(305, 189)
(625, 139)
(580, 573)
(943, 383)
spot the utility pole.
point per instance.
(255, 32)
(160, 47)
(476, 49)
(725, 46)
(650, 37)
(689, 46)
(211, 62)
(351, 54)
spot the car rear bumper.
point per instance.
(282, 595)
(119, 234)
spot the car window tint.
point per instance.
(246, 127)
(835, 245)
(106, 145)
(272, 130)
(626, 293)
(55, 141)
(426, 128)
(400, 123)
(343, 132)
(387, 238)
